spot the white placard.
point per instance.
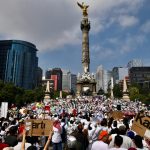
(4, 109)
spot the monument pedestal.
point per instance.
(86, 85)
(126, 97)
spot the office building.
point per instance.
(135, 63)
(73, 82)
(119, 73)
(102, 78)
(39, 76)
(18, 63)
(99, 78)
(140, 75)
(66, 81)
(56, 75)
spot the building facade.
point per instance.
(73, 82)
(99, 78)
(66, 81)
(135, 63)
(56, 75)
(18, 63)
(140, 75)
(119, 73)
(102, 78)
(39, 76)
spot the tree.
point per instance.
(134, 93)
(117, 91)
(39, 93)
(29, 96)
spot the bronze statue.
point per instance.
(84, 8)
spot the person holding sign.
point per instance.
(56, 137)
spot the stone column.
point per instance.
(85, 27)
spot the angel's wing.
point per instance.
(80, 5)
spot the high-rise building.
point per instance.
(66, 81)
(55, 79)
(39, 76)
(135, 63)
(48, 73)
(18, 63)
(102, 78)
(69, 81)
(56, 75)
(119, 73)
(73, 82)
(99, 78)
(106, 78)
(140, 75)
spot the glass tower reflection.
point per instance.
(19, 63)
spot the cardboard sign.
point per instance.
(38, 127)
(117, 114)
(141, 125)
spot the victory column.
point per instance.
(86, 84)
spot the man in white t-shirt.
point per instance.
(117, 143)
(127, 142)
(101, 141)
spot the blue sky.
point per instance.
(120, 31)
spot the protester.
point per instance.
(127, 142)
(139, 143)
(56, 137)
(82, 119)
(81, 138)
(117, 143)
(101, 142)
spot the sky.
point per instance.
(120, 31)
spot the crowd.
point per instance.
(84, 123)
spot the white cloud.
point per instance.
(50, 24)
(127, 21)
(101, 53)
(146, 27)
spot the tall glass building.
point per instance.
(18, 63)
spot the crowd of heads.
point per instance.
(83, 120)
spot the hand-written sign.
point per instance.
(38, 127)
(141, 125)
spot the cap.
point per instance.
(102, 134)
(130, 134)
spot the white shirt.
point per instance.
(117, 148)
(97, 145)
(56, 137)
(127, 142)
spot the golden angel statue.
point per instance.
(84, 8)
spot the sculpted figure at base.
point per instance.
(84, 8)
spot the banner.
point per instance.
(38, 127)
(4, 109)
(141, 125)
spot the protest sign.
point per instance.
(4, 109)
(116, 114)
(38, 127)
(141, 125)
